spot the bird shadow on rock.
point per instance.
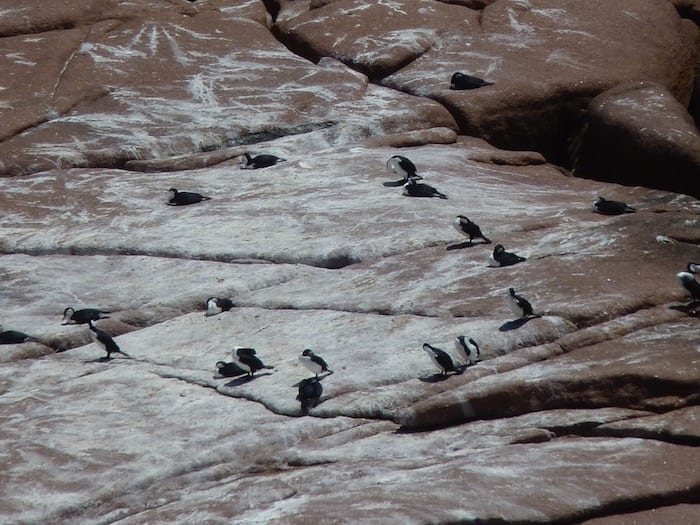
(692, 308)
(437, 378)
(393, 183)
(103, 359)
(516, 323)
(320, 377)
(460, 245)
(245, 379)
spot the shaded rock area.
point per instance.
(584, 413)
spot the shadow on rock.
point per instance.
(245, 379)
(515, 324)
(437, 378)
(460, 245)
(393, 183)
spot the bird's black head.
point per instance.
(511, 291)
(456, 76)
(307, 352)
(173, 190)
(498, 249)
(67, 311)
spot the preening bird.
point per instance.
(310, 391)
(313, 362)
(229, 369)
(467, 349)
(687, 280)
(216, 305)
(500, 257)
(440, 359)
(403, 167)
(14, 337)
(248, 360)
(519, 305)
(607, 207)
(466, 227)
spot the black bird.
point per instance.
(183, 198)
(247, 360)
(418, 189)
(440, 358)
(310, 391)
(607, 207)
(215, 306)
(14, 337)
(260, 161)
(229, 369)
(103, 339)
(687, 280)
(466, 227)
(468, 349)
(519, 305)
(500, 257)
(461, 81)
(403, 167)
(71, 316)
(313, 362)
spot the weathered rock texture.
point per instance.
(585, 412)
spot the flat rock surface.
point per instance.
(586, 411)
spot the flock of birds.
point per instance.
(246, 361)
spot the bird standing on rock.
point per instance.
(607, 207)
(313, 362)
(247, 360)
(183, 198)
(466, 227)
(103, 339)
(440, 358)
(687, 280)
(460, 81)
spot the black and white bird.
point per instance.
(259, 161)
(14, 337)
(466, 227)
(248, 360)
(83, 316)
(461, 81)
(403, 167)
(687, 280)
(519, 305)
(183, 198)
(216, 305)
(607, 207)
(103, 339)
(500, 257)
(467, 349)
(440, 358)
(418, 189)
(313, 362)
(310, 391)
(229, 369)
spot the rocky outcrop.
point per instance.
(586, 411)
(640, 134)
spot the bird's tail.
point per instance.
(630, 209)
(488, 241)
(441, 195)
(206, 198)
